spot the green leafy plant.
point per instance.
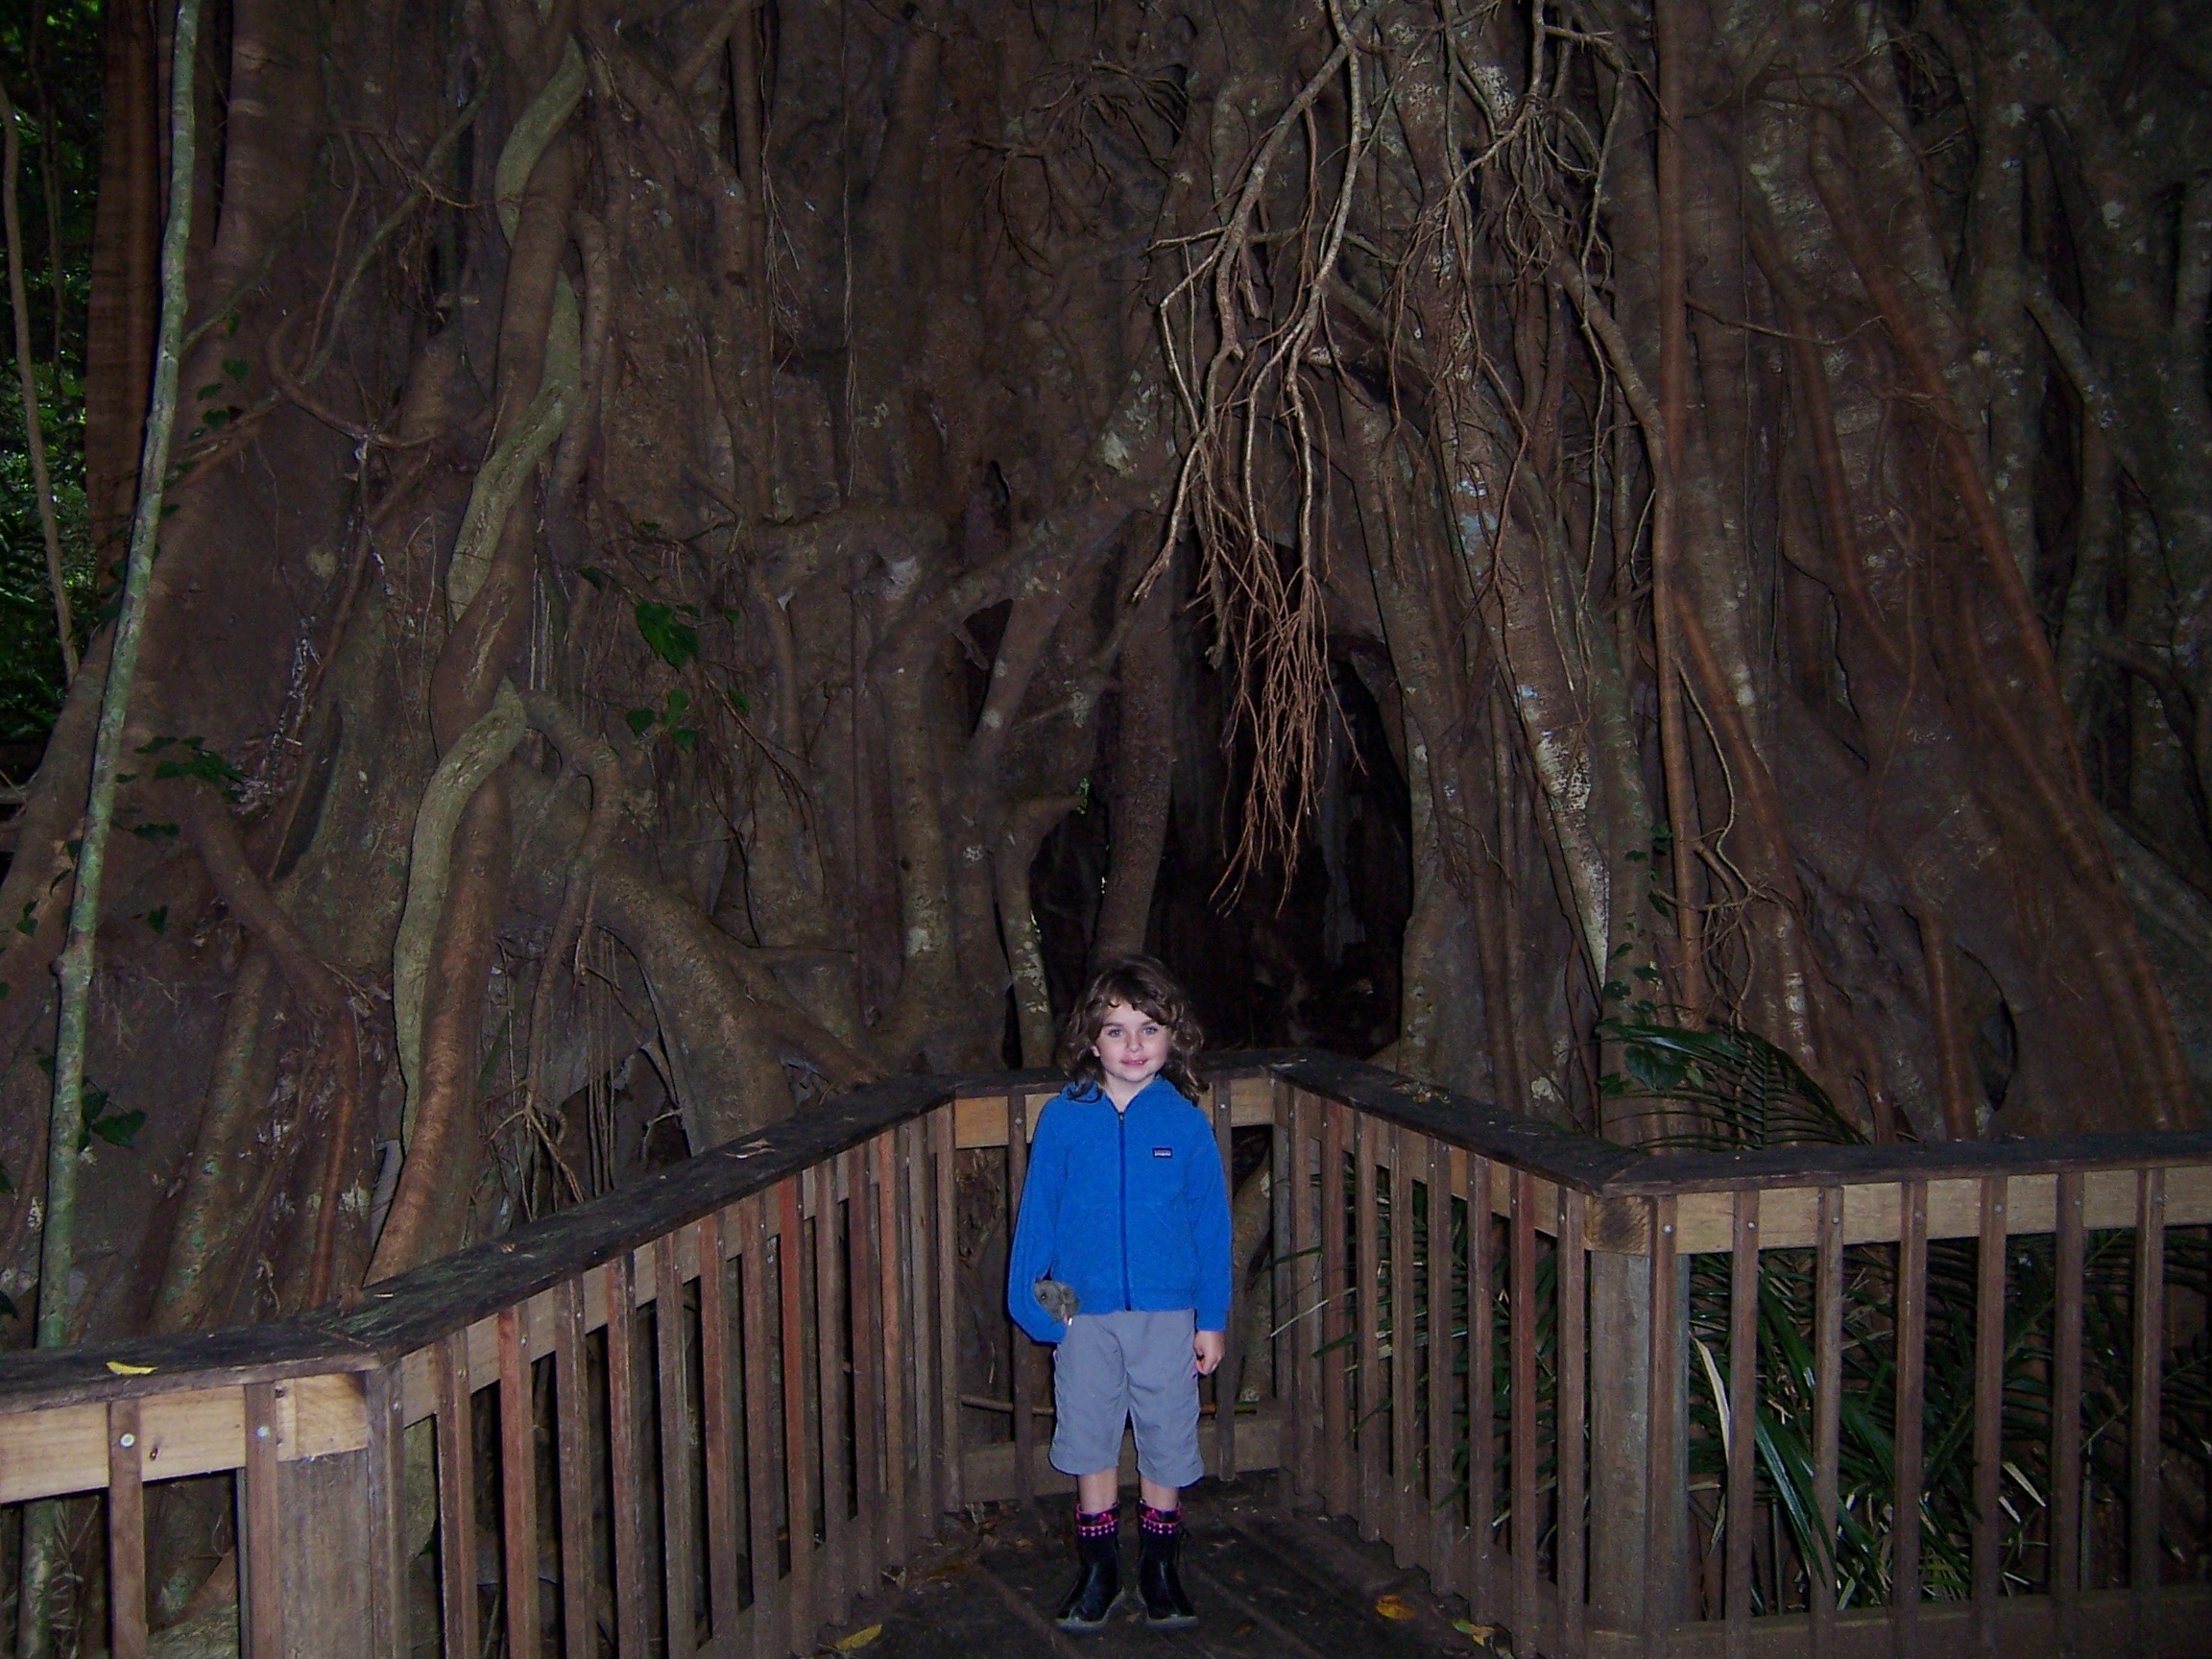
(191, 758)
(669, 717)
(669, 630)
(1728, 1087)
(101, 1118)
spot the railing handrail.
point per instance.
(401, 1315)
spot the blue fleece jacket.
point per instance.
(1127, 1208)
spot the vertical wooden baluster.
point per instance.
(1309, 1291)
(261, 1551)
(385, 1420)
(1989, 1411)
(798, 1473)
(1481, 1397)
(625, 1458)
(457, 1500)
(126, 1534)
(891, 1366)
(914, 1260)
(1827, 1413)
(1742, 1415)
(1436, 1443)
(2145, 1497)
(1281, 1292)
(840, 1573)
(720, 1458)
(1663, 1496)
(1408, 1537)
(1366, 1307)
(1570, 1554)
(1024, 1387)
(572, 1456)
(756, 1345)
(518, 1488)
(867, 1372)
(678, 1512)
(1911, 1361)
(2066, 1583)
(1226, 1374)
(1337, 1485)
(947, 1222)
(1528, 1525)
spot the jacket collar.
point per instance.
(1156, 1093)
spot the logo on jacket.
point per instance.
(1163, 1151)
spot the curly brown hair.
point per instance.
(1145, 985)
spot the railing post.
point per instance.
(385, 1493)
(313, 1589)
(260, 1559)
(1664, 1498)
(1619, 1434)
(125, 1533)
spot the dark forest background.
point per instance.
(719, 550)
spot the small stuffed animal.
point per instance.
(1055, 1298)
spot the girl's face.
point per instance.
(1131, 1046)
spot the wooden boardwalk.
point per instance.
(570, 1439)
(1268, 1585)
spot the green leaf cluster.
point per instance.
(1730, 1086)
(191, 758)
(669, 717)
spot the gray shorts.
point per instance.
(1114, 1367)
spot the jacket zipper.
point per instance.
(1121, 1130)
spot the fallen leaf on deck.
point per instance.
(858, 1640)
(122, 1370)
(1475, 1632)
(1394, 1607)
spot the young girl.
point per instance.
(1126, 1212)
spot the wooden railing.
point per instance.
(702, 1415)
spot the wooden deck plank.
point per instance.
(625, 1459)
(1570, 1553)
(945, 1211)
(1021, 1379)
(1225, 1375)
(1912, 1373)
(804, 1613)
(1743, 1420)
(126, 1535)
(868, 1362)
(1827, 1417)
(1369, 1433)
(1521, 1313)
(2066, 1583)
(1988, 1414)
(1408, 1537)
(842, 1388)
(716, 1390)
(763, 1483)
(2145, 1455)
(457, 1503)
(572, 1409)
(1340, 1487)
(517, 1491)
(672, 1387)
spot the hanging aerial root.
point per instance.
(1267, 599)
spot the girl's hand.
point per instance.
(1208, 1346)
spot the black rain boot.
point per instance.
(1099, 1582)
(1166, 1606)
